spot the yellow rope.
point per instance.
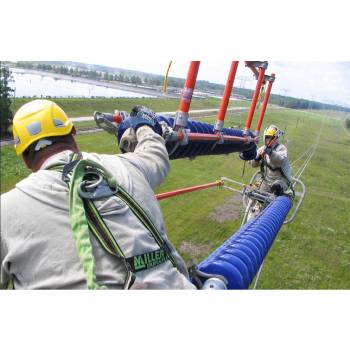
(261, 94)
(166, 78)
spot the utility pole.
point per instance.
(284, 97)
(242, 81)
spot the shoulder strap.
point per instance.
(85, 216)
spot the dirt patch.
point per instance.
(195, 250)
(230, 210)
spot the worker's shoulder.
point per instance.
(281, 147)
(9, 201)
(106, 160)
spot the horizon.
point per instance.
(281, 87)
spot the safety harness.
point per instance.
(89, 181)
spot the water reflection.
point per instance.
(33, 85)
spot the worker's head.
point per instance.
(40, 129)
(272, 135)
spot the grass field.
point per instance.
(311, 253)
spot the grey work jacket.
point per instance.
(37, 247)
(277, 167)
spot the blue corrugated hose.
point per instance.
(239, 258)
(200, 148)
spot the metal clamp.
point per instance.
(259, 64)
(103, 121)
(270, 78)
(181, 119)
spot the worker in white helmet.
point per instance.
(276, 173)
(85, 220)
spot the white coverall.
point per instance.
(37, 246)
(276, 169)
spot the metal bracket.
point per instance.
(181, 119)
(258, 64)
(103, 123)
(269, 78)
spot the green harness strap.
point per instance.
(84, 217)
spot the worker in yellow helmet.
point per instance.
(276, 173)
(85, 220)
(39, 124)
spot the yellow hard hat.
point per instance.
(36, 120)
(270, 131)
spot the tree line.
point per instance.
(5, 100)
(86, 73)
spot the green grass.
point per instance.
(311, 253)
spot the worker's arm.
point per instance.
(4, 277)
(141, 134)
(150, 156)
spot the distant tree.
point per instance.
(136, 79)
(106, 76)
(6, 115)
(120, 77)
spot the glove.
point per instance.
(139, 116)
(260, 155)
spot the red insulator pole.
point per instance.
(250, 115)
(271, 80)
(226, 97)
(186, 97)
(215, 137)
(164, 195)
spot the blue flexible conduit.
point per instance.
(201, 148)
(239, 258)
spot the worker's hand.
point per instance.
(139, 116)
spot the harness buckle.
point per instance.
(94, 186)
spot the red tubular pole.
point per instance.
(254, 99)
(215, 137)
(264, 105)
(186, 97)
(226, 96)
(164, 195)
